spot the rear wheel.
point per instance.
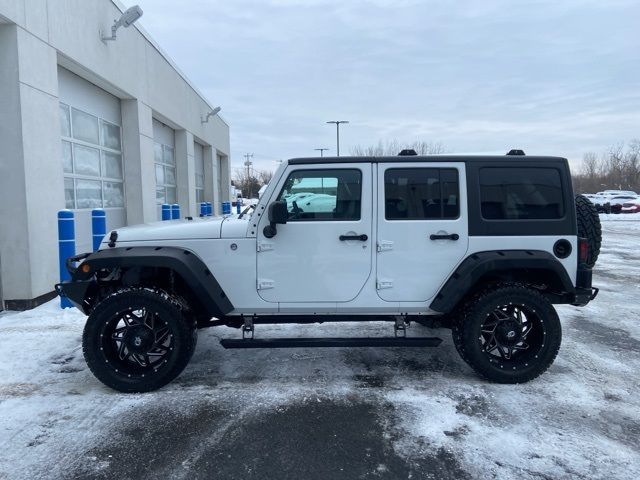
(508, 333)
(138, 340)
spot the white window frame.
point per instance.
(199, 176)
(102, 178)
(165, 165)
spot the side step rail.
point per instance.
(331, 342)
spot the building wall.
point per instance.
(50, 52)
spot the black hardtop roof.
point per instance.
(507, 159)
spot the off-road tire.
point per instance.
(589, 227)
(473, 313)
(167, 308)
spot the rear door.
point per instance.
(422, 228)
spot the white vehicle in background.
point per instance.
(316, 202)
(613, 193)
(600, 201)
(611, 201)
(293, 199)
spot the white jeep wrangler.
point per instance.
(482, 245)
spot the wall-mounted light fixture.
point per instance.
(128, 18)
(213, 112)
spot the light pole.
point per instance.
(338, 122)
(321, 150)
(248, 164)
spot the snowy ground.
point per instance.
(334, 413)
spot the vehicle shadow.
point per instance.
(366, 367)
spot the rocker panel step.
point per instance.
(331, 342)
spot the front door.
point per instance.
(323, 252)
(422, 228)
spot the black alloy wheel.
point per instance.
(509, 333)
(138, 340)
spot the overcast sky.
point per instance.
(550, 77)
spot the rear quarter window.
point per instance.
(521, 193)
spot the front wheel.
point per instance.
(138, 340)
(508, 333)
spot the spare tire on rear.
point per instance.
(589, 227)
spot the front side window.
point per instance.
(323, 195)
(518, 193)
(91, 160)
(421, 194)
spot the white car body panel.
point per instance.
(411, 266)
(208, 227)
(541, 243)
(310, 252)
(232, 227)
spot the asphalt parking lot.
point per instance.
(333, 413)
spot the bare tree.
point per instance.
(616, 169)
(264, 176)
(249, 182)
(393, 147)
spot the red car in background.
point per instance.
(631, 206)
(619, 200)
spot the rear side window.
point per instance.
(421, 193)
(516, 193)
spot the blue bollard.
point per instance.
(66, 248)
(98, 227)
(175, 211)
(226, 208)
(209, 209)
(238, 205)
(204, 211)
(166, 211)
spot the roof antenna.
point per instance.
(515, 152)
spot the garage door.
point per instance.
(92, 159)
(165, 161)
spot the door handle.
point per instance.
(362, 238)
(451, 236)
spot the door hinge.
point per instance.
(265, 284)
(264, 246)
(382, 284)
(384, 245)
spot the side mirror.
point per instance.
(278, 214)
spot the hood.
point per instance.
(197, 228)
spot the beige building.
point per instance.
(87, 123)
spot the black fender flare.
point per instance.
(185, 263)
(476, 265)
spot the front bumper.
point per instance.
(75, 290)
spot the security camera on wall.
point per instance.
(128, 18)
